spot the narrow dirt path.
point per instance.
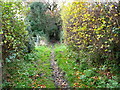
(58, 75)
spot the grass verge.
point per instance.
(81, 74)
(31, 72)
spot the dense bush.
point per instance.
(44, 20)
(92, 27)
(15, 38)
(13, 27)
(37, 17)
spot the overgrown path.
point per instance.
(44, 69)
(58, 75)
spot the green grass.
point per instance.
(33, 72)
(64, 62)
(83, 74)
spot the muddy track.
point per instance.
(58, 75)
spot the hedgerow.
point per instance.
(15, 38)
(14, 33)
(92, 27)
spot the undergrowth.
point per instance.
(33, 71)
(81, 73)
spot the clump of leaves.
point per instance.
(92, 27)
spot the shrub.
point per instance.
(13, 27)
(92, 27)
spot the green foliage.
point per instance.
(15, 37)
(33, 72)
(84, 75)
(13, 27)
(91, 33)
(44, 20)
(37, 17)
